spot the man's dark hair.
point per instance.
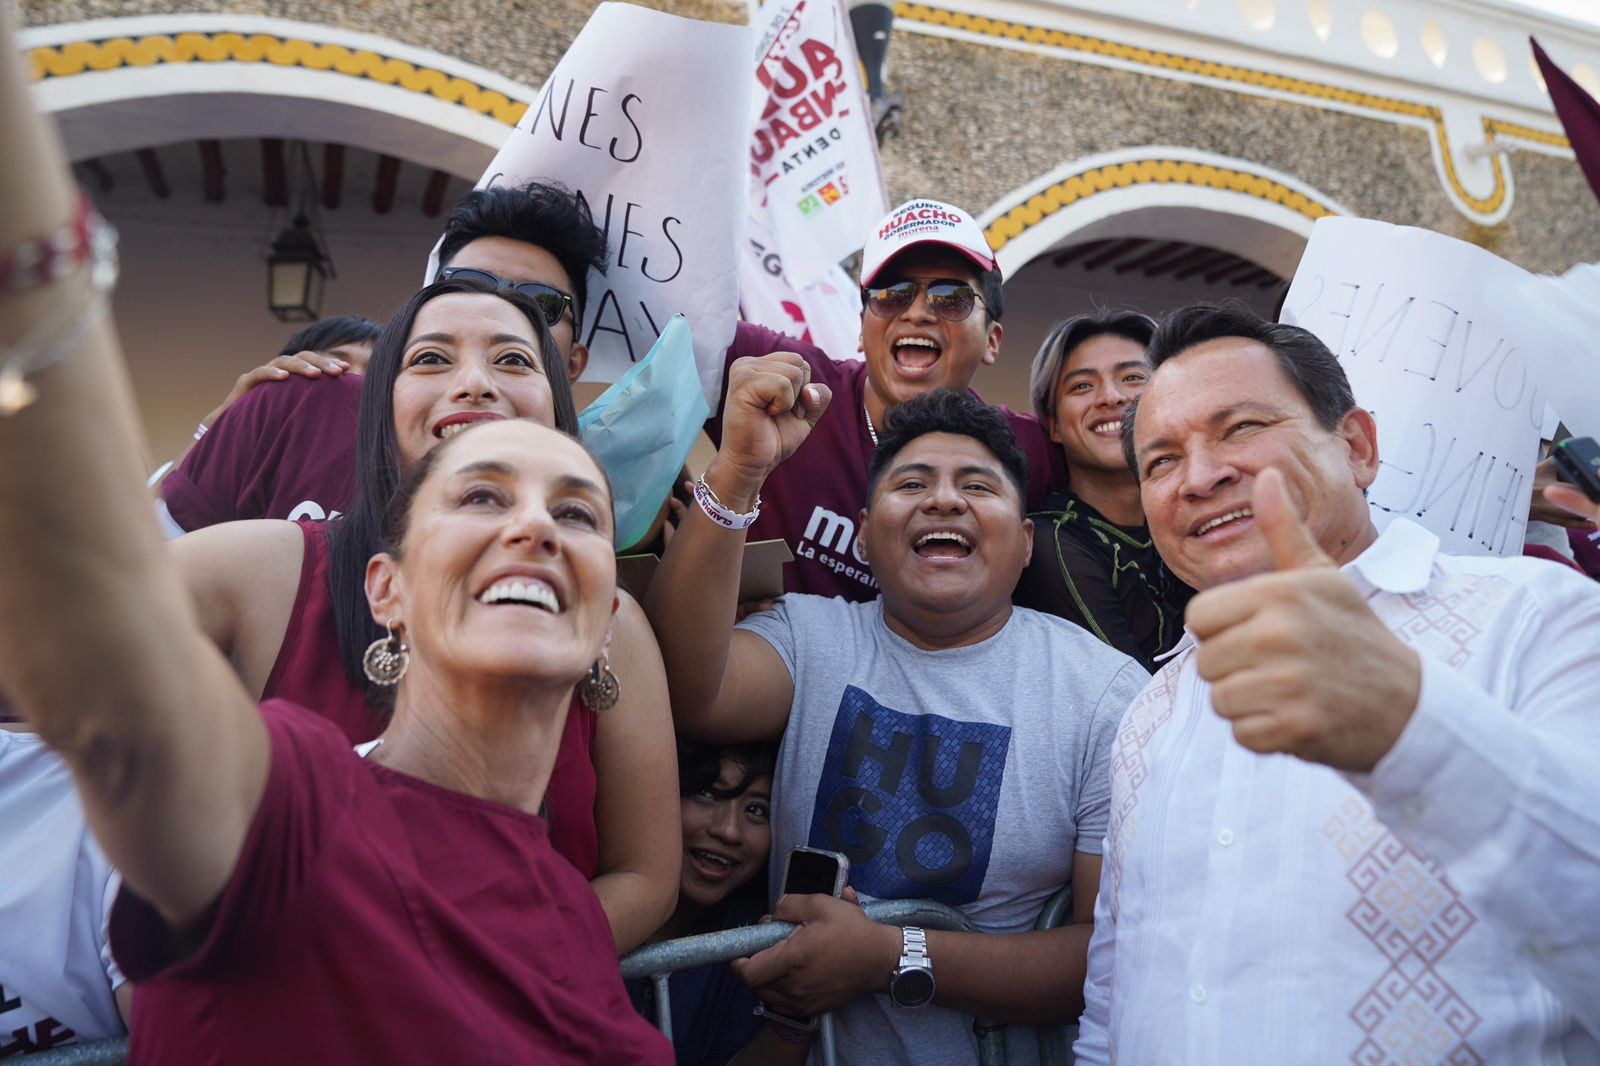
(949, 411)
(360, 534)
(1065, 337)
(326, 333)
(546, 214)
(1313, 369)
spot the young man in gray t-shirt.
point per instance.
(953, 747)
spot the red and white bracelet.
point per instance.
(50, 258)
(88, 240)
(720, 514)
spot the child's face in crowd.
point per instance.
(725, 841)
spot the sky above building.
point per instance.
(1579, 10)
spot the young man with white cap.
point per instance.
(931, 290)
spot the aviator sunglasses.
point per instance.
(952, 301)
(552, 302)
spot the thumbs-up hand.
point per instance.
(1297, 660)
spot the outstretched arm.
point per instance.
(730, 686)
(99, 645)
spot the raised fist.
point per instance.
(770, 409)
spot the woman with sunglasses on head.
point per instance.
(294, 622)
(285, 899)
(1093, 560)
(289, 450)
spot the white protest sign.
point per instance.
(815, 178)
(827, 313)
(1569, 306)
(1450, 363)
(647, 118)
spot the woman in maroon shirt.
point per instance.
(284, 600)
(285, 899)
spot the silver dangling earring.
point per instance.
(601, 689)
(387, 659)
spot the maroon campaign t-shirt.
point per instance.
(310, 671)
(286, 449)
(813, 499)
(375, 918)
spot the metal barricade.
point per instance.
(1055, 1041)
(658, 961)
(99, 1053)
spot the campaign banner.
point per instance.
(815, 177)
(826, 313)
(649, 122)
(1453, 364)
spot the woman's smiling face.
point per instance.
(471, 357)
(506, 571)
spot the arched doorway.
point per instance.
(1149, 228)
(188, 131)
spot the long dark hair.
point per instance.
(358, 536)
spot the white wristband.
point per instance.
(721, 515)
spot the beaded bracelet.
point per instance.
(87, 239)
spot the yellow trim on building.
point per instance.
(1073, 42)
(115, 53)
(79, 57)
(1078, 187)
(1526, 133)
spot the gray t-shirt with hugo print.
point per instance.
(967, 776)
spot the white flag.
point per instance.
(826, 313)
(814, 169)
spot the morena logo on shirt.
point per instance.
(910, 799)
(311, 510)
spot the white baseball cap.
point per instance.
(923, 222)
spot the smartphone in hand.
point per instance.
(1578, 463)
(811, 871)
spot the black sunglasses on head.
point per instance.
(952, 301)
(552, 302)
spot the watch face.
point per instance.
(912, 987)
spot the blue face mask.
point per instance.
(643, 427)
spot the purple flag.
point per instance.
(1579, 114)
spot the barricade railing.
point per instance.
(1055, 1041)
(657, 962)
(99, 1053)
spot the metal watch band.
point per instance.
(914, 950)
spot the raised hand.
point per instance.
(770, 409)
(1297, 660)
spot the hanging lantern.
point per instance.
(297, 271)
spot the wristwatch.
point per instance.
(912, 984)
